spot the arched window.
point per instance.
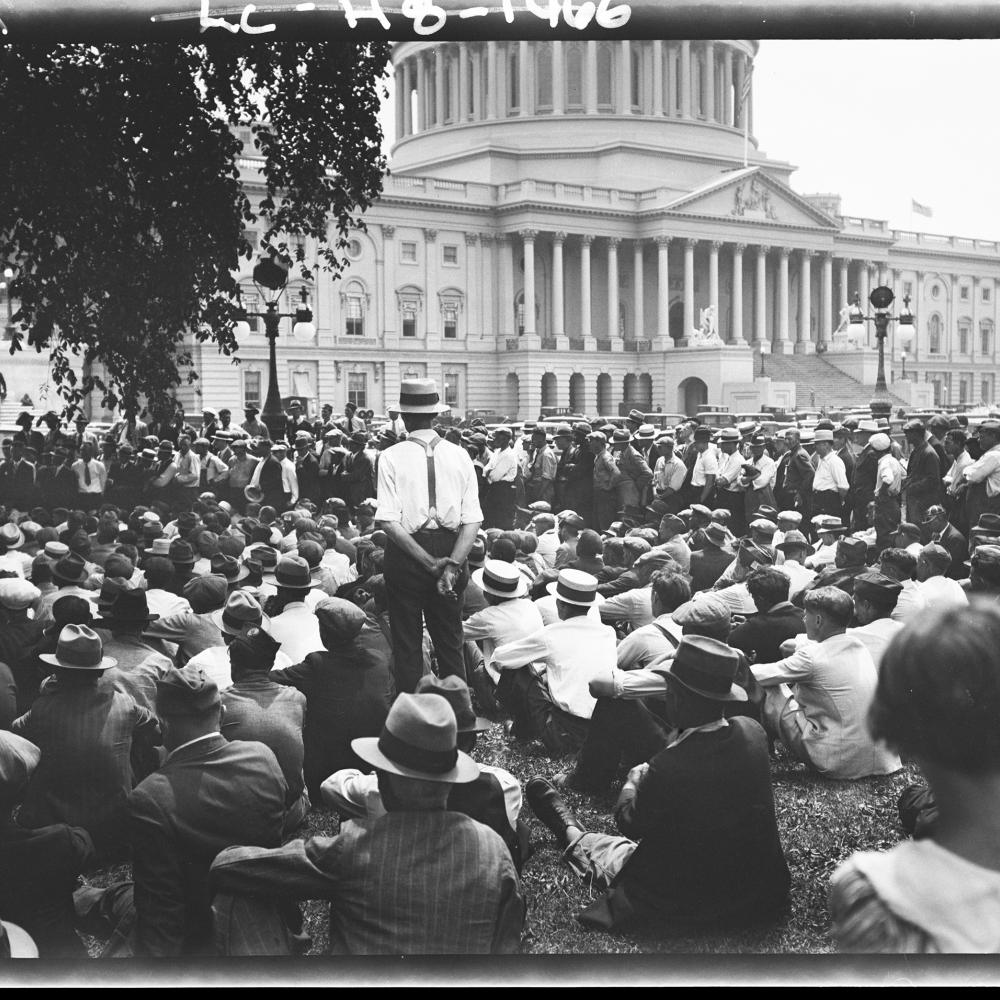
(630, 388)
(410, 300)
(934, 334)
(550, 389)
(604, 393)
(577, 392)
(605, 77)
(513, 79)
(574, 77)
(646, 390)
(512, 394)
(543, 77)
(354, 300)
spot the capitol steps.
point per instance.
(818, 383)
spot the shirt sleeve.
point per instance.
(352, 794)
(389, 506)
(634, 684)
(472, 513)
(790, 670)
(521, 652)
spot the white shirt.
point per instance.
(730, 469)
(634, 606)
(768, 468)
(188, 469)
(648, 644)
(548, 546)
(550, 613)
(986, 469)
(669, 474)
(943, 592)
(289, 481)
(98, 475)
(164, 604)
(953, 477)
(876, 636)
(889, 473)
(825, 555)
(830, 474)
(340, 567)
(911, 602)
(502, 623)
(706, 464)
(297, 629)
(502, 466)
(16, 562)
(403, 488)
(572, 653)
(215, 662)
(799, 576)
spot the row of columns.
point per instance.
(483, 85)
(735, 335)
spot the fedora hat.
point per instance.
(419, 740)
(574, 587)
(11, 536)
(240, 611)
(292, 572)
(229, 567)
(793, 540)
(181, 553)
(111, 587)
(70, 569)
(79, 648)
(253, 493)
(420, 395)
(160, 547)
(705, 667)
(264, 554)
(128, 607)
(501, 579)
(716, 534)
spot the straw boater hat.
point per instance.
(501, 579)
(420, 395)
(419, 740)
(574, 587)
(79, 648)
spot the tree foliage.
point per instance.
(122, 213)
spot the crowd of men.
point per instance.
(208, 633)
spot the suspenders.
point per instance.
(432, 518)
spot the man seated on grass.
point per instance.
(822, 721)
(875, 599)
(762, 634)
(900, 565)
(700, 844)
(940, 590)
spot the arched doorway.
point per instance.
(512, 394)
(691, 394)
(675, 322)
(577, 393)
(630, 389)
(646, 391)
(550, 389)
(603, 394)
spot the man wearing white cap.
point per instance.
(428, 506)
(556, 705)
(888, 489)
(830, 484)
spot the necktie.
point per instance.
(86, 472)
(203, 480)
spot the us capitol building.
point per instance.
(570, 224)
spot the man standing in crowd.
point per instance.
(922, 485)
(501, 474)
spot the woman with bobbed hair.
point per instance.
(937, 702)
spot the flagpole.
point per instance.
(746, 135)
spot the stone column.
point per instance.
(866, 290)
(586, 330)
(663, 293)
(760, 337)
(432, 305)
(491, 79)
(505, 307)
(689, 246)
(528, 236)
(558, 79)
(657, 77)
(824, 331)
(400, 80)
(709, 80)
(624, 78)
(590, 78)
(463, 84)
(558, 319)
(737, 337)
(421, 94)
(803, 344)
(713, 281)
(407, 100)
(845, 291)
(637, 290)
(741, 109)
(781, 344)
(612, 334)
(685, 82)
(523, 81)
(488, 309)
(727, 86)
(439, 87)
(673, 106)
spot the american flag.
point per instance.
(920, 209)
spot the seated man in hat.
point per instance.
(195, 631)
(700, 840)
(418, 879)
(85, 729)
(939, 530)
(38, 868)
(208, 795)
(749, 556)
(348, 686)
(849, 561)
(828, 530)
(570, 525)
(817, 698)
(710, 561)
(908, 538)
(19, 637)
(899, 565)
(875, 597)
(493, 799)
(794, 548)
(69, 574)
(549, 697)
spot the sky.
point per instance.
(884, 123)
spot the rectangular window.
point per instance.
(355, 317)
(251, 302)
(408, 252)
(251, 388)
(450, 324)
(963, 293)
(963, 391)
(963, 341)
(986, 344)
(520, 318)
(357, 389)
(985, 398)
(450, 255)
(409, 322)
(451, 388)
(987, 291)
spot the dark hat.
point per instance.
(705, 667)
(111, 587)
(621, 437)
(933, 512)
(989, 523)
(341, 619)
(456, 692)
(768, 513)
(70, 569)
(255, 647)
(764, 526)
(990, 427)
(188, 691)
(598, 436)
(701, 510)
(702, 433)
(181, 553)
(914, 426)
(639, 418)
(419, 740)
(907, 528)
(254, 410)
(79, 648)
(266, 555)
(241, 611)
(856, 548)
(986, 555)
(572, 520)
(716, 534)
(580, 427)
(129, 607)
(292, 572)
(206, 592)
(562, 430)
(757, 553)
(671, 523)
(477, 554)
(228, 567)
(874, 586)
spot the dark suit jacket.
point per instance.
(707, 565)
(923, 475)
(799, 472)
(763, 634)
(958, 548)
(207, 796)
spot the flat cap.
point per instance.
(188, 691)
(17, 594)
(672, 523)
(908, 528)
(18, 760)
(597, 436)
(856, 548)
(914, 426)
(340, 618)
(764, 526)
(872, 585)
(705, 609)
(206, 593)
(986, 555)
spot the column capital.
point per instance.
(827, 256)
(614, 242)
(738, 249)
(690, 244)
(586, 239)
(717, 245)
(430, 235)
(388, 232)
(763, 249)
(663, 241)
(868, 264)
(559, 237)
(471, 239)
(638, 243)
(785, 252)
(503, 239)
(806, 254)
(528, 235)
(486, 238)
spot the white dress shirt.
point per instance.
(706, 464)
(876, 636)
(98, 475)
(830, 474)
(571, 653)
(648, 644)
(547, 547)
(633, 606)
(297, 629)
(986, 469)
(188, 469)
(164, 604)
(502, 466)
(889, 475)
(910, 603)
(799, 576)
(403, 488)
(669, 474)
(730, 470)
(768, 468)
(943, 592)
(502, 623)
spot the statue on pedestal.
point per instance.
(706, 334)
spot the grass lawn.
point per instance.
(821, 823)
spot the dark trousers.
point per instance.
(500, 503)
(605, 508)
(412, 599)
(735, 502)
(619, 729)
(887, 518)
(536, 716)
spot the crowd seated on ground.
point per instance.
(203, 641)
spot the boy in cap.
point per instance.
(701, 809)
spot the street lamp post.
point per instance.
(881, 299)
(8, 275)
(272, 275)
(902, 356)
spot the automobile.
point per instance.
(613, 420)
(664, 421)
(716, 418)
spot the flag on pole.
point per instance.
(919, 209)
(745, 89)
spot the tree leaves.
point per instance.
(123, 215)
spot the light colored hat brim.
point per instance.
(551, 588)
(53, 660)
(22, 944)
(264, 623)
(253, 493)
(522, 585)
(464, 771)
(16, 544)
